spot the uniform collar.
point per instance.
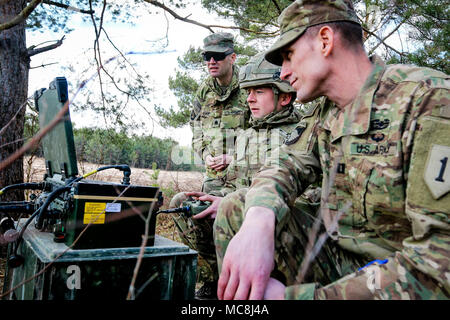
(286, 115)
(355, 118)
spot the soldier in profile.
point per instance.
(380, 149)
(220, 112)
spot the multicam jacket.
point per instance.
(386, 182)
(254, 145)
(216, 119)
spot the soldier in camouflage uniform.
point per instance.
(274, 120)
(220, 110)
(382, 149)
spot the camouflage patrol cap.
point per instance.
(218, 42)
(259, 72)
(295, 19)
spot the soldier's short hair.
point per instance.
(351, 33)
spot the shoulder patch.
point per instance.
(294, 135)
(437, 171)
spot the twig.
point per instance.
(35, 139)
(32, 51)
(66, 6)
(209, 27)
(131, 290)
(276, 5)
(382, 41)
(22, 16)
(14, 117)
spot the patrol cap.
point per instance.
(297, 17)
(218, 42)
(259, 72)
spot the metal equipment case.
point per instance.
(85, 243)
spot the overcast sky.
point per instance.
(139, 38)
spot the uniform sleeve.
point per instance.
(198, 143)
(421, 270)
(288, 171)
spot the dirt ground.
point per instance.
(170, 183)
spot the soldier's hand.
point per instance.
(196, 194)
(221, 162)
(211, 211)
(249, 258)
(209, 160)
(274, 290)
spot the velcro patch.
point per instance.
(437, 171)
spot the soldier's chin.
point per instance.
(303, 97)
(214, 73)
(256, 114)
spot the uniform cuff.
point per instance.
(300, 292)
(275, 204)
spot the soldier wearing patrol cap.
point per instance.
(219, 112)
(380, 143)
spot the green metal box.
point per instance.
(55, 272)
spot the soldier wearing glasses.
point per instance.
(220, 111)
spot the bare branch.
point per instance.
(386, 37)
(43, 65)
(210, 26)
(35, 140)
(22, 16)
(384, 43)
(31, 51)
(66, 6)
(277, 6)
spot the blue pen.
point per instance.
(380, 262)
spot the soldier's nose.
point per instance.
(285, 72)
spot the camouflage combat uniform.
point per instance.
(254, 145)
(381, 160)
(385, 189)
(251, 149)
(218, 115)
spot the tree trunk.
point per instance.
(14, 65)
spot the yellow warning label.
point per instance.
(94, 212)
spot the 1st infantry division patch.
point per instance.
(437, 171)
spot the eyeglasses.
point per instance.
(218, 56)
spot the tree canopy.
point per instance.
(405, 31)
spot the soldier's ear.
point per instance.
(233, 57)
(326, 37)
(285, 98)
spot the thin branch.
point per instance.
(14, 117)
(66, 6)
(22, 16)
(390, 33)
(277, 6)
(209, 27)
(43, 65)
(384, 43)
(31, 51)
(35, 140)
